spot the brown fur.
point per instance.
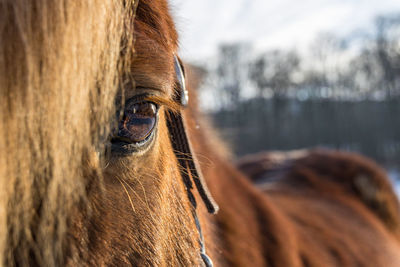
(65, 201)
(260, 166)
(326, 172)
(355, 195)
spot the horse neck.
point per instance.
(248, 226)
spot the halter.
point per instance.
(189, 168)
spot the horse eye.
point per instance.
(138, 122)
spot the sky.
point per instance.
(268, 24)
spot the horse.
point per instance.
(107, 161)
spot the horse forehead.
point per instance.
(153, 66)
(154, 19)
(156, 44)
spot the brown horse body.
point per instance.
(323, 209)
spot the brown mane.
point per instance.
(59, 69)
(65, 199)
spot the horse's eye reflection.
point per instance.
(138, 122)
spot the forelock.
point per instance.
(153, 19)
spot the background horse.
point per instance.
(90, 174)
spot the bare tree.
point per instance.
(274, 72)
(232, 70)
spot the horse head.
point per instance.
(93, 176)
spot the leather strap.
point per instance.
(189, 168)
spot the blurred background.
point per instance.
(288, 74)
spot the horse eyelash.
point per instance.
(169, 104)
(162, 101)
